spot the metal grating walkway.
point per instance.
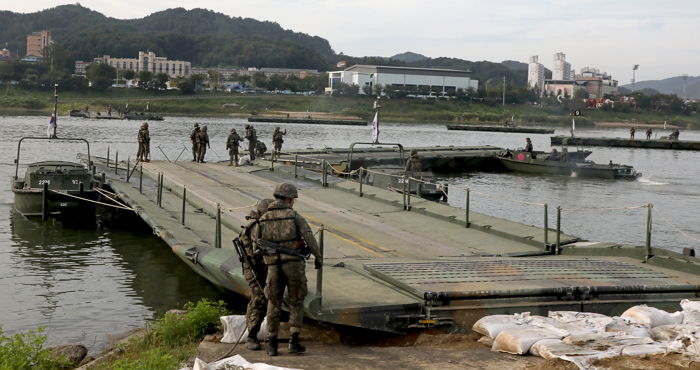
(495, 275)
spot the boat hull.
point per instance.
(30, 203)
(585, 170)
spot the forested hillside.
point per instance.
(204, 37)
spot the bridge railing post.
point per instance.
(556, 247)
(361, 173)
(116, 163)
(466, 210)
(408, 194)
(140, 178)
(296, 165)
(128, 168)
(107, 157)
(647, 249)
(184, 202)
(546, 227)
(217, 236)
(319, 272)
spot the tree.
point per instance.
(259, 80)
(101, 75)
(145, 78)
(129, 74)
(160, 81)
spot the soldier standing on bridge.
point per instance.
(283, 235)
(255, 273)
(277, 141)
(144, 139)
(194, 137)
(632, 130)
(413, 164)
(202, 144)
(649, 134)
(252, 137)
(232, 146)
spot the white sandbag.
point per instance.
(600, 341)
(486, 340)
(492, 325)
(621, 325)
(652, 316)
(653, 348)
(691, 312)
(556, 348)
(673, 332)
(586, 361)
(234, 324)
(518, 341)
(234, 362)
(581, 322)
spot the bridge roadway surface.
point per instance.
(378, 259)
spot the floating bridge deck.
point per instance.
(386, 268)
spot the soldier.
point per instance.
(632, 130)
(281, 235)
(255, 273)
(260, 149)
(194, 137)
(203, 144)
(232, 146)
(413, 164)
(252, 137)
(277, 141)
(649, 134)
(144, 140)
(528, 145)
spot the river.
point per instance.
(84, 285)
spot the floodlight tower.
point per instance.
(685, 90)
(634, 69)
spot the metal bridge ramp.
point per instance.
(508, 285)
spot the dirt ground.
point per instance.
(330, 349)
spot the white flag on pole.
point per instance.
(375, 128)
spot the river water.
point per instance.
(84, 285)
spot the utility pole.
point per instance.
(504, 89)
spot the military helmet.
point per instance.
(196, 125)
(204, 128)
(262, 205)
(414, 152)
(233, 130)
(286, 190)
(145, 125)
(247, 126)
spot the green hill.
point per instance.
(202, 36)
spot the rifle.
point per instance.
(272, 248)
(244, 258)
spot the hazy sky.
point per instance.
(610, 35)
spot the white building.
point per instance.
(446, 80)
(535, 74)
(148, 61)
(562, 68)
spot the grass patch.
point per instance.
(26, 351)
(170, 340)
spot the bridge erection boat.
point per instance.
(54, 188)
(561, 164)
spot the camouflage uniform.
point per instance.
(260, 149)
(252, 137)
(232, 146)
(277, 141)
(282, 225)
(203, 144)
(194, 137)
(255, 275)
(413, 164)
(144, 140)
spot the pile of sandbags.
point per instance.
(582, 337)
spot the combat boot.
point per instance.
(272, 346)
(294, 345)
(252, 343)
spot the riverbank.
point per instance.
(22, 102)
